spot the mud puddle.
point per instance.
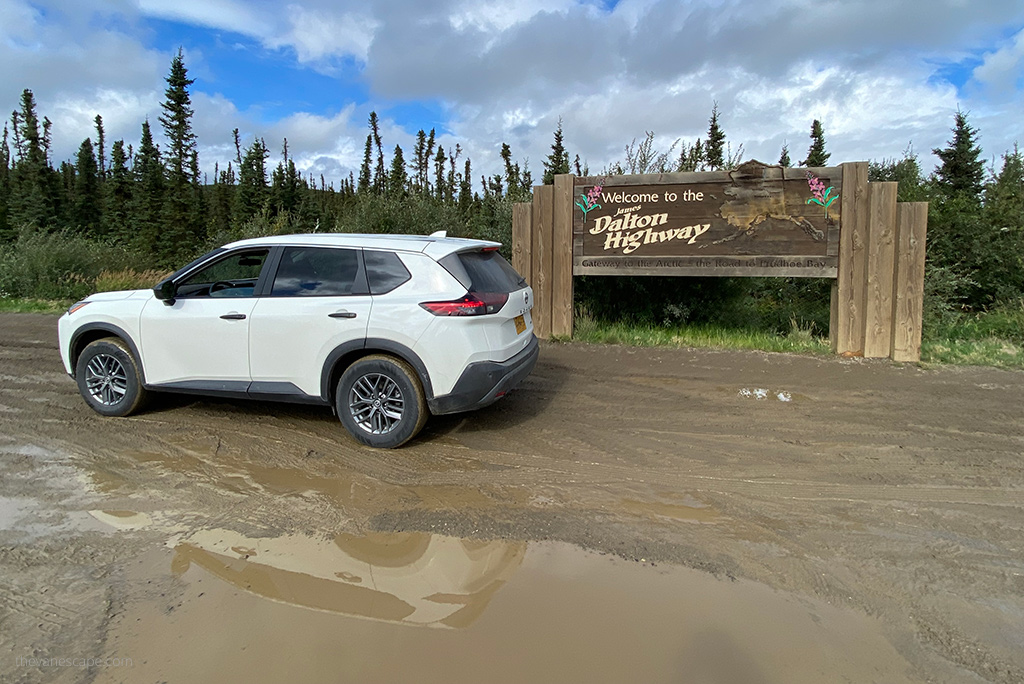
(419, 607)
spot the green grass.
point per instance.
(990, 339)
(991, 351)
(797, 340)
(26, 305)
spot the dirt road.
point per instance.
(661, 515)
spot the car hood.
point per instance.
(120, 294)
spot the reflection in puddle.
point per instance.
(562, 615)
(410, 577)
(123, 520)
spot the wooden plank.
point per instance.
(522, 236)
(833, 316)
(849, 311)
(771, 171)
(784, 267)
(543, 201)
(561, 257)
(908, 288)
(880, 266)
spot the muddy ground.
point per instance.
(655, 514)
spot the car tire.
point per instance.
(380, 401)
(108, 378)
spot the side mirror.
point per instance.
(165, 291)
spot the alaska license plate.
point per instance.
(520, 322)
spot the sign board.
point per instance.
(756, 220)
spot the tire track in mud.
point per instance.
(878, 486)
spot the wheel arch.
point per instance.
(348, 353)
(90, 332)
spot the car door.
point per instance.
(201, 340)
(318, 300)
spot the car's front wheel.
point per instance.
(109, 379)
(380, 400)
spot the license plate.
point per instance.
(520, 322)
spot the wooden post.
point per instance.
(543, 205)
(880, 266)
(522, 237)
(833, 317)
(561, 257)
(908, 287)
(848, 309)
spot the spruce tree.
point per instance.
(714, 148)
(148, 194)
(962, 171)
(816, 154)
(101, 148)
(691, 157)
(251, 195)
(365, 177)
(183, 229)
(380, 174)
(784, 160)
(428, 154)
(85, 212)
(117, 195)
(1004, 214)
(440, 189)
(466, 191)
(5, 188)
(285, 187)
(34, 184)
(397, 178)
(558, 161)
(223, 199)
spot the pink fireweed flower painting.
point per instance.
(822, 196)
(589, 201)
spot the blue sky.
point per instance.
(881, 74)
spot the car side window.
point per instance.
(384, 271)
(232, 276)
(319, 272)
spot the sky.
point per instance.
(883, 76)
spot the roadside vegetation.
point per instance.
(121, 216)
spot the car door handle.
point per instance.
(233, 317)
(342, 314)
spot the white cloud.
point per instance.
(1003, 69)
(498, 15)
(227, 15)
(316, 35)
(505, 72)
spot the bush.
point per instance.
(59, 265)
(128, 279)
(768, 304)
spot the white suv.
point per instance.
(385, 329)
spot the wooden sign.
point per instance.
(756, 220)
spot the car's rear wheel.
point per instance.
(109, 379)
(380, 400)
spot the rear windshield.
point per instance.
(483, 272)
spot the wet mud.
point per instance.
(627, 514)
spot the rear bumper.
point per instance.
(483, 382)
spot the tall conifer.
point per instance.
(962, 171)
(816, 154)
(714, 148)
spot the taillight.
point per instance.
(473, 304)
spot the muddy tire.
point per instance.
(380, 400)
(108, 378)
